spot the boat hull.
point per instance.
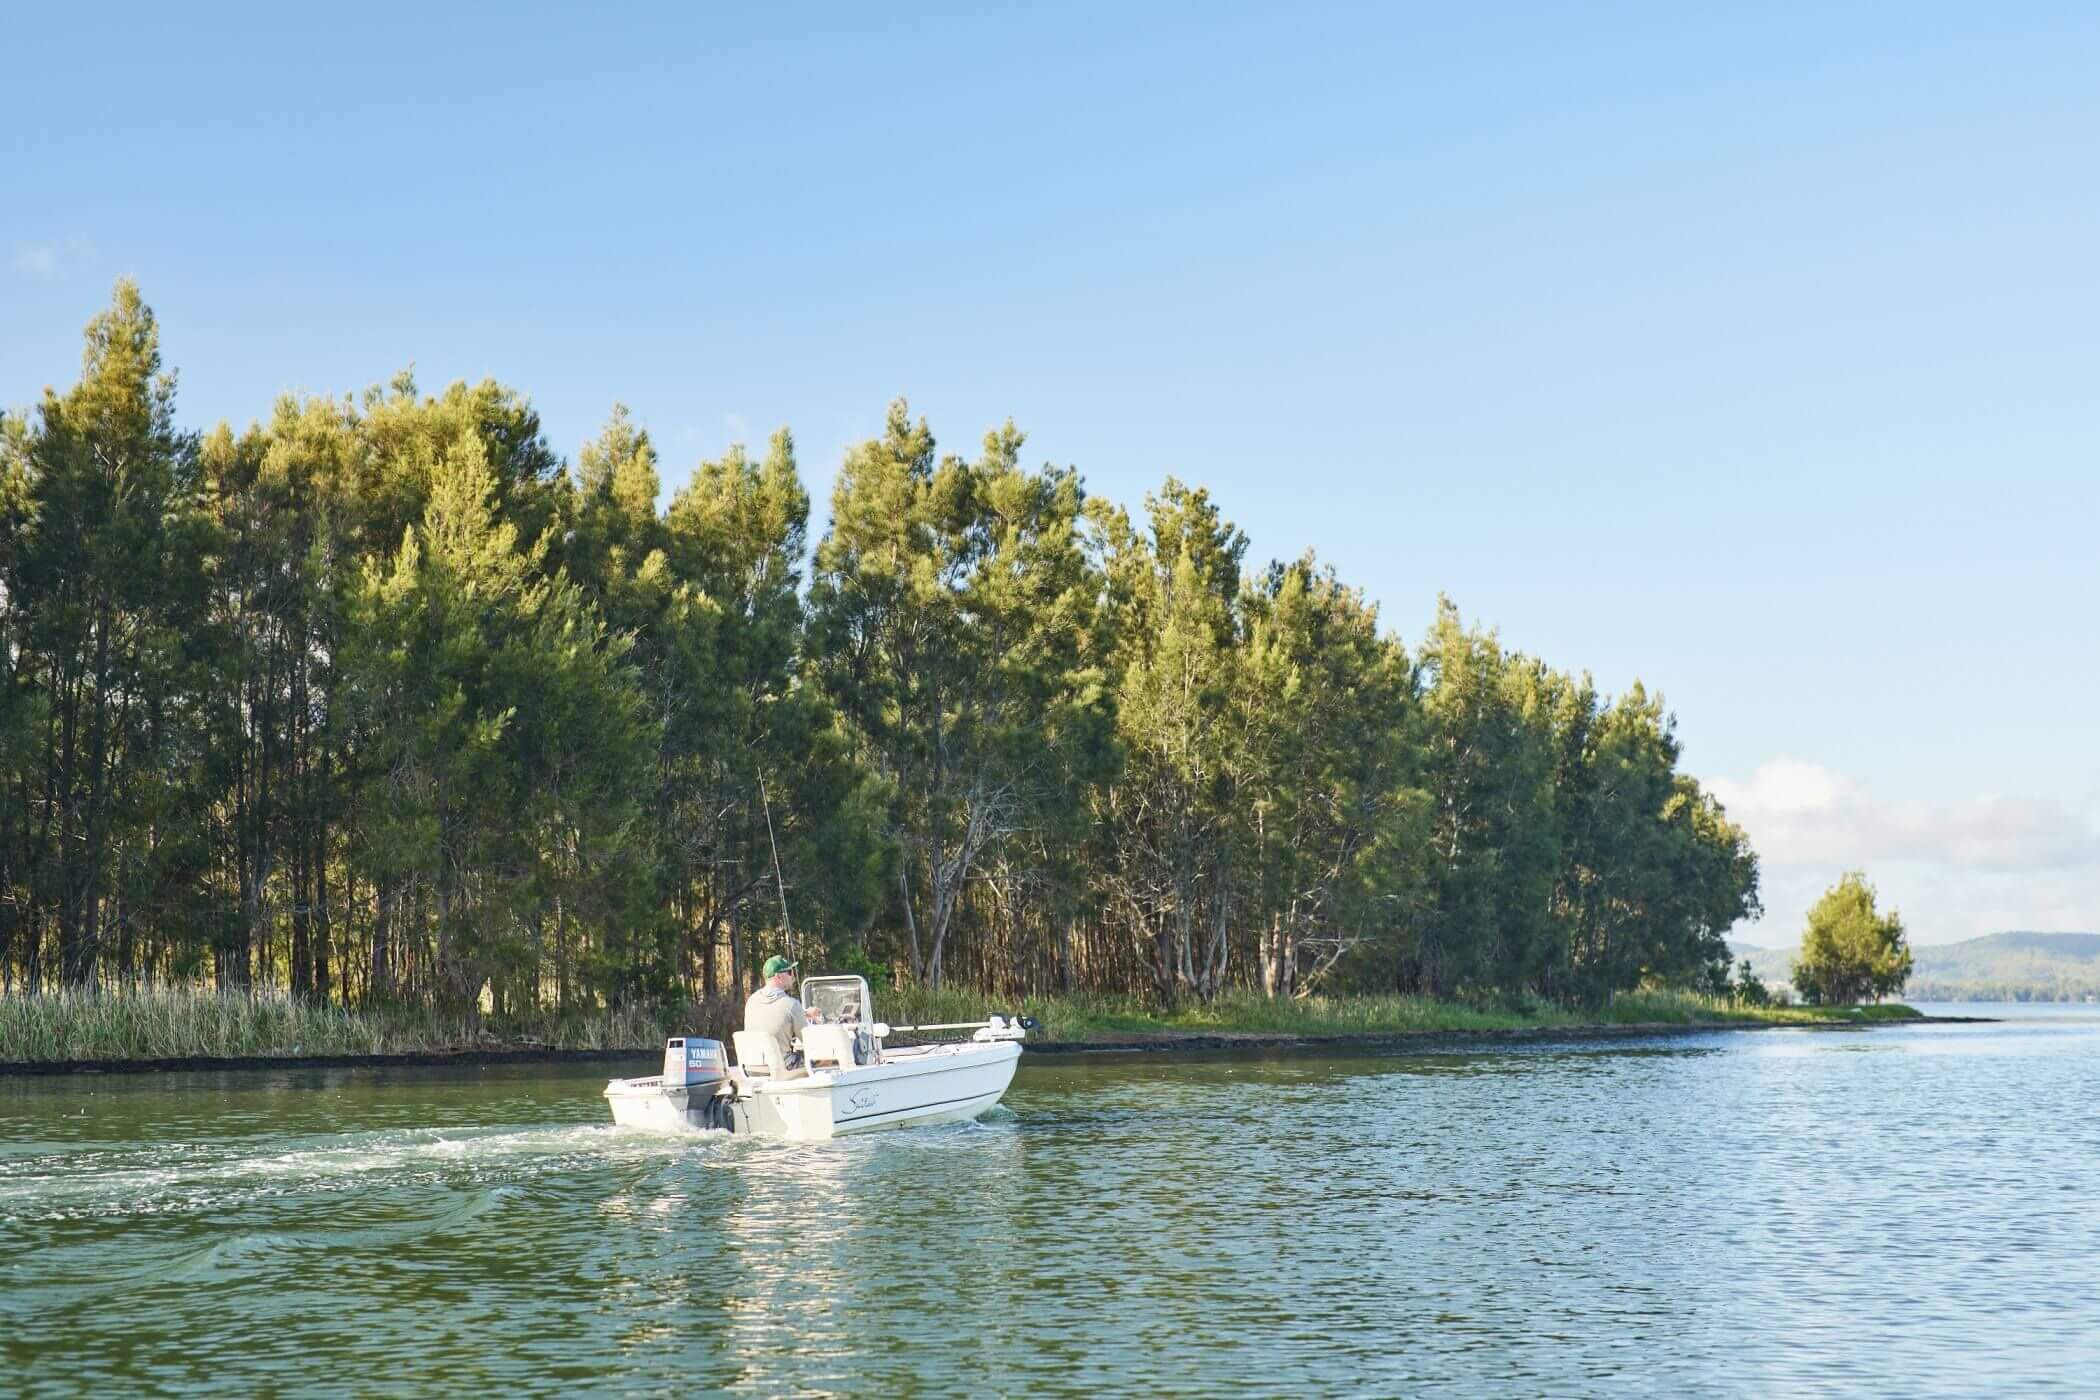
(911, 1087)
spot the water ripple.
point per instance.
(1733, 1214)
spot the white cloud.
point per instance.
(1957, 870)
(1802, 812)
(46, 260)
(37, 259)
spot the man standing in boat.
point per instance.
(774, 1010)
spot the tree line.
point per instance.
(381, 700)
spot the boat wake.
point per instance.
(177, 1177)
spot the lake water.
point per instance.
(1890, 1211)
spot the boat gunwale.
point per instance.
(911, 1062)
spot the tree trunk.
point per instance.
(1279, 956)
(911, 923)
(1218, 954)
(736, 947)
(302, 921)
(943, 915)
(319, 858)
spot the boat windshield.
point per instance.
(842, 1000)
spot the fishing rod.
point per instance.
(779, 884)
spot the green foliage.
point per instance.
(1494, 845)
(1749, 989)
(1850, 952)
(104, 584)
(379, 702)
(1652, 872)
(953, 620)
(1170, 824)
(1328, 719)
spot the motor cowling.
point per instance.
(694, 1062)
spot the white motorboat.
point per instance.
(844, 1080)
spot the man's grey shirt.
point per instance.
(776, 1013)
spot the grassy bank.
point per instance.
(1082, 1017)
(185, 1023)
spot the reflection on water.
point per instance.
(1903, 1209)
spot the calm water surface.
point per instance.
(1908, 1210)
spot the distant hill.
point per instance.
(1774, 965)
(1997, 967)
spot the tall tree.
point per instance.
(953, 615)
(1652, 873)
(1328, 712)
(1714, 886)
(106, 567)
(273, 495)
(1492, 838)
(22, 722)
(484, 689)
(1171, 820)
(741, 728)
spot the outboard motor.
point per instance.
(696, 1080)
(693, 1061)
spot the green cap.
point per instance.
(776, 965)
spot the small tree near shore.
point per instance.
(1850, 952)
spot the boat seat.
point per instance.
(758, 1055)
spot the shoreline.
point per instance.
(420, 1059)
(1108, 1043)
(1151, 1042)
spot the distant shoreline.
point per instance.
(2014, 968)
(1115, 1043)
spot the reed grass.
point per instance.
(173, 1023)
(170, 1023)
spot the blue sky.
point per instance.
(1750, 354)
